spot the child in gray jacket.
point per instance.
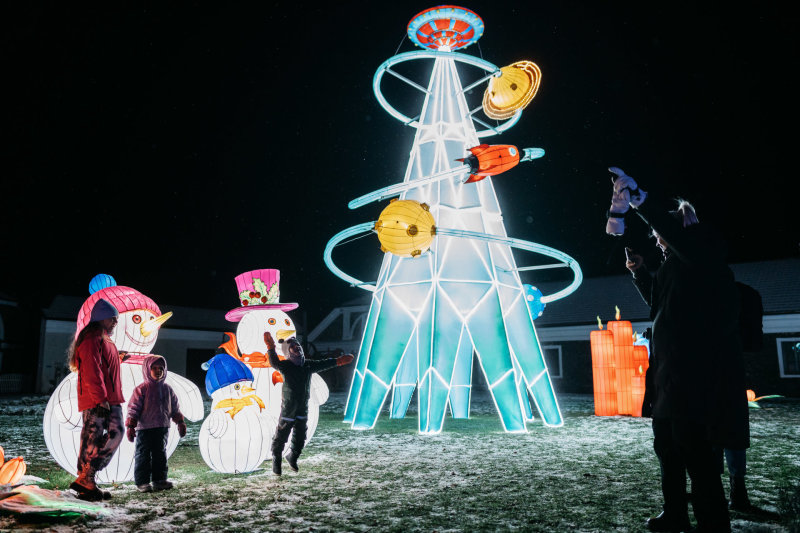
(150, 409)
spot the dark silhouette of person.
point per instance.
(698, 398)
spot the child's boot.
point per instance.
(162, 485)
(276, 464)
(292, 460)
(86, 488)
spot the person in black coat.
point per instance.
(698, 398)
(296, 371)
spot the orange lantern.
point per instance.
(603, 374)
(623, 362)
(616, 368)
(641, 361)
(12, 471)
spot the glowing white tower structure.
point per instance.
(430, 313)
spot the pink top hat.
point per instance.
(258, 289)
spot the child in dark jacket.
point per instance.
(150, 409)
(296, 373)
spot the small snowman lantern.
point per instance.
(235, 438)
(261, 311)
(136, 333)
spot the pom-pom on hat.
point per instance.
(102, 309)
(258, 289)
(223, 370)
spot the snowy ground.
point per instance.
(592, 474)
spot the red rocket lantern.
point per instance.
(615, 369)
(605, 389)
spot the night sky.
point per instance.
(175, 146)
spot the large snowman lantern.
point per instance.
(261, 312)
(134, 336)
(235, 438)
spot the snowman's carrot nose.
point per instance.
(152, 325)
(285, 334)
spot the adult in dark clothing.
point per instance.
(698, 397)
(296, 373)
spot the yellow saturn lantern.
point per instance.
(513, 89)
(405, 228)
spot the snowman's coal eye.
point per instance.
(287, 322)
(271, 321)
(137, 319)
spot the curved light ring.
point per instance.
(531, 247)
(513, 243)
(396, 189)
(431, 54)
(335, 240)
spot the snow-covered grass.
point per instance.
(592, 474)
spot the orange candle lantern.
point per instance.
(641, 362)
(617, 370)
(603, 371)
(623, 362)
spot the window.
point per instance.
(552, 358)
(789, 356)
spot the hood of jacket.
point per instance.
(148, 362)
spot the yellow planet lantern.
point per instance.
(513, 89)
(405, 228)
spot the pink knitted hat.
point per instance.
(121, 297)
(258, 289)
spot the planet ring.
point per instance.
(464, 234)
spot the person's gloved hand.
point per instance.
(182, 429)
(269, 341)
(636, 196)
(131, 424)
(345, 359)
(626, 194)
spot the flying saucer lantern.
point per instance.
(445, 28)
(405, 228)
(513, 89)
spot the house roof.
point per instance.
(777, 281)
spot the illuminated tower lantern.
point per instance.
(459, 293)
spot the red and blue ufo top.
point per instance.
(445, 28)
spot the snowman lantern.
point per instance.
(136, 333)
(235, 437)
(261, 312)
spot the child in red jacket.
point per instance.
(94, 357)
